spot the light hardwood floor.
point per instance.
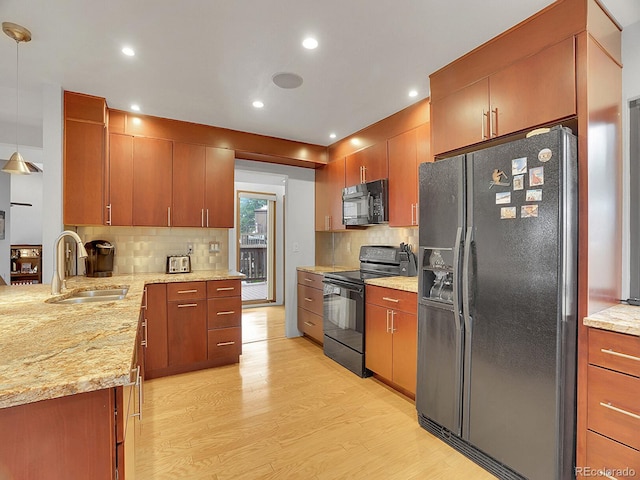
(286, 412)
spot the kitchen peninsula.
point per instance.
(70, 354)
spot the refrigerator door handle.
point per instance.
(466, 307)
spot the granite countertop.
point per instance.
(51, 350)
(327, 269)
(408, 284)
(619, 318)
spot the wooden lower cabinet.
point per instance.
(192, 325)
(613, 407)
(391, 332)
(61, 438)
(310, 305)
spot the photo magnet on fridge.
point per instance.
(507, 213)
(528, 211)
(534, 195)
(518, 166)
(503, 197)
(518, 182)
(536, 176)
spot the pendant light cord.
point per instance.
(17, 89)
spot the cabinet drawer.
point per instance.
(310, 299)
(310, 279)
(615, 351)
(223, 288)
(186, 291)
(310, 324)
(604, 456)
(225, 342)
(613, 405)
(394, 299)
(224, 312)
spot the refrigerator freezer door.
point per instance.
(521, 355)
(440, 332)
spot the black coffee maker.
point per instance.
(99, 262)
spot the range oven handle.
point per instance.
(347, 285)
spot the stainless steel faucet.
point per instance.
(58, 280)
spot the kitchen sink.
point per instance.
(87, 296)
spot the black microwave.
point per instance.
(366, 203)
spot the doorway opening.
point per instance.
(256, 245)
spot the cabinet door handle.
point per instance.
(202, 217)
(168, 216)
(230, 312)
(207, 218)
(138, 384)
(144, 297)
(393, 321)
(494, 123)
(483, 123)
(224, 289)
(620, 410)
(394, 300)
(108, 214)
(309, 324)
(224, 344)
(618, 354)
(180, 292)
(146, 337)
(387, 330)
(187, 305)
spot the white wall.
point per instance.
(26, 222)
(5, 244)
(279, 191)
(299, 229)
(630, 91)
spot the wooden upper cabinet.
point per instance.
(188, 185)
(406, 152)
(330, 180)
(120, 205)
(534, 91)
(367, 165)
(152, 173)
(219, 188)
(83, 172)
(460, 119)
(85, 108)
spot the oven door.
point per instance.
(343, 307)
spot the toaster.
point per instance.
(178, 264)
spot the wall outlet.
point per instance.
(214, 247)
(189, 248)
(296, 247)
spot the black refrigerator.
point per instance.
(497, 305)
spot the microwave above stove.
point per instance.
(366, 203)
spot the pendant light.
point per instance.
(16, 163)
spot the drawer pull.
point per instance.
(230, 312)
(619, 410)
(224, 344)
(186, 305)
(618, 354)
(225, 289)
(309, 324)
(308, 280)
(187, 291)
(394, 300)
(307, 299)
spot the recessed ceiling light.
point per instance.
(332, 135)
(413, 93)
(258, 104)
(128, 51)
(135, 107)
(310, 43)
(287, 80)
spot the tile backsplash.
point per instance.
(145, 249)
(343, 248)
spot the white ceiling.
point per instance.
(205, 61)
